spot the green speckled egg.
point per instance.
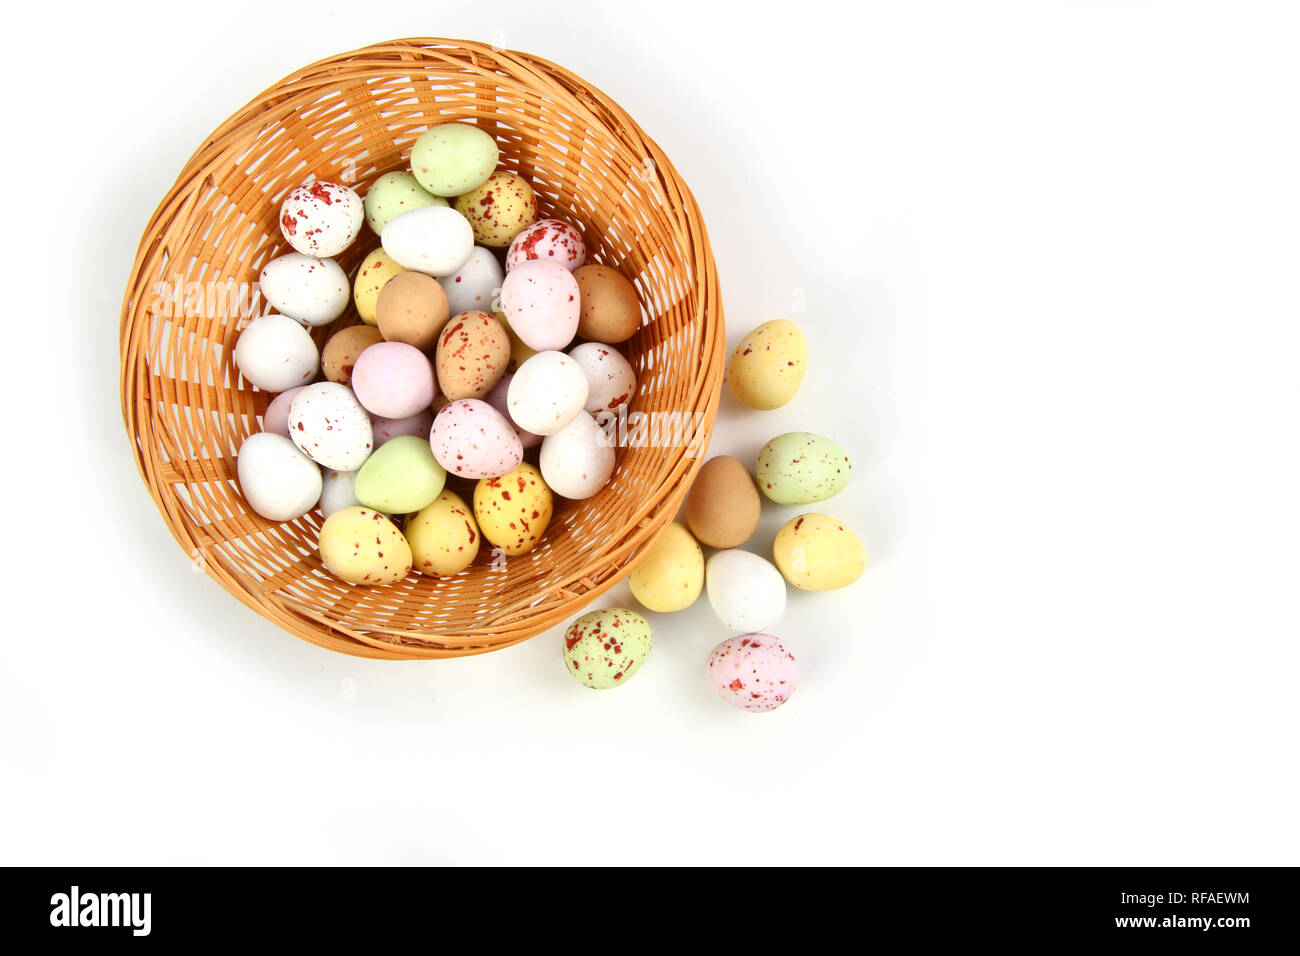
(453, 158)
(605, 648)
(393, 194)
(799, 468)
(401, 477)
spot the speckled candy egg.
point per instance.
(671, 575)
(401, 477)
(548, 239)
(393, 194)
(435, 240)
(499, 209)
(338, 491)
(799, 468)
(768, 365)
(375, 271)
(393, 379)
(386, 428)
(453, 158)
(547, 393)
(472, 439)
(313, 291)
(754, 672)
(360, 546)
(277, 480)
(328, 424)
(321, 219)
(604, 649)
(476, 285)
(344, 347)
(473, 351)
(746, 592)
(499, 398)
(275, 353)
(276, 417)
(444, 537)
(540, 300)
(412, 308)
(610, 379)
(514, 509)
(578, 459)
(816, 552)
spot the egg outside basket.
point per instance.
(351, 118)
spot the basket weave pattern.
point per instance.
(349, 119)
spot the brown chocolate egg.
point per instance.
(610, 310)
(473, 352)
(412, 308)
(723, 506)
(343, 348)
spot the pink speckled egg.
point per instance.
(540, 300)
(393, 380)
(611, 381)
(386, 428)
(321, 219)
(498, 398)
(754, 672)
(548, 239)
(276, 417)
(472, 439)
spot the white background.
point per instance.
(1049, 256)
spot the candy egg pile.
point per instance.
(458, 367)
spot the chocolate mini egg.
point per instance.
(547, 393)
(603, 649)
(671, 575)
(393, 194)
(275, 353)
(361, 546)
(386, 428)
(514, 509)
(472, 439)
(476, 285)
(338, 491)
(800, 468)
(578, 459)
(375, 271)
(723, 506)
(610, 311)
(435, 240)
(499, 209)
(499, 398)
(754, 672)
(328, 424)
(276, 417)
(344, 348)
(768, 365)
(548, 239)
(540, 300)
(313, 291)
(412, 308)
(401, 477)
(610, 379)
(746, 592)
(473, 351)
(393, 380)
(321, 219)
(816, 552)
(443, 535)
(277, 480)
(453, 158)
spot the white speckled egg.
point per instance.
(277, 480)
(435, 240)
(578, 459)
(472, 439)
(747, 593)
(275, 353)
(610, 379)
(313, 291)
(276, 417)
(548, 239)
(540, 300)
(321, 219)
(547, 393)
(476, 285)
(329, 424)
(337, 491)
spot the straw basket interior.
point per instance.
(350, 119)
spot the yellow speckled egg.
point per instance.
(499, 209)
(768, 365)
(816, 552)
(514, 510)
(671, 575)
(376, 269)
(444, 537)
(361, 546)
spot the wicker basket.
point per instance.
(351, 118)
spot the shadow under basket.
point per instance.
(352, 118)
